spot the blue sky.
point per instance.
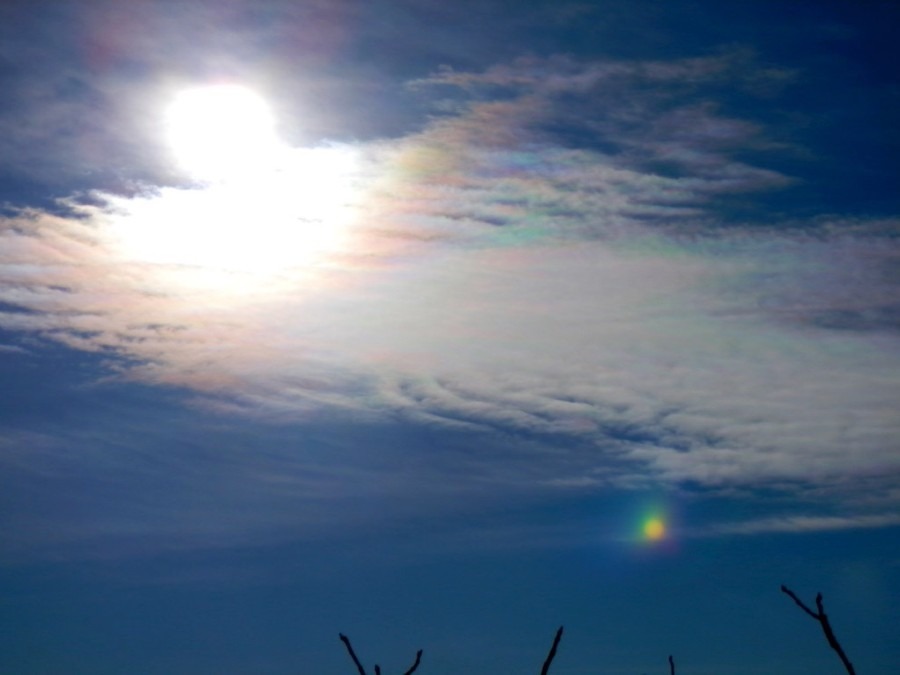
(502, 282)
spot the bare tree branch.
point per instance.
(671, 665)
(346, 642)
(552, 653)
(415, 665)
(822, 618)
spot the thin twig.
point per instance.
(415, 665)
(671, 665)
(552, 652)
(822, 618)
(346, 642)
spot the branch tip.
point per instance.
(552, 653)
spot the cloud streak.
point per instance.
(796, 524)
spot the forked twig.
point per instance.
(362, 671)
(822, 618)
(552, 653)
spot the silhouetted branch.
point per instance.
(346, 642)
(822, 618)
(362, 670)
(415, 665)
(552, 653)
(671, 665)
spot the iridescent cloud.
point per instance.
(485, 274)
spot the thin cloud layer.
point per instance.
(558, 258)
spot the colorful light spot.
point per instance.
(654, 529)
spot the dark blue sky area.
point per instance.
(496, 611)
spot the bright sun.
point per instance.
(261, 208)
(221, 132)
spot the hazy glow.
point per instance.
(222, 132)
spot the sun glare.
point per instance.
(221, 132)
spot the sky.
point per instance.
(444, 324)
